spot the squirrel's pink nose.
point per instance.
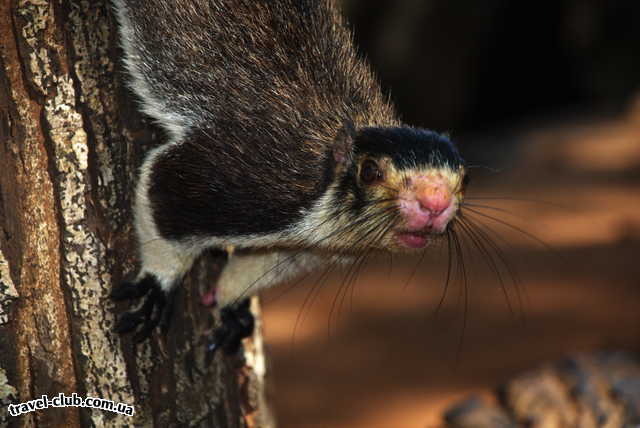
(434, 199)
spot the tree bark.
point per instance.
(70, 144)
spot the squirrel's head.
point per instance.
(396, 188)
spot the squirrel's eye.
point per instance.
(370, 172)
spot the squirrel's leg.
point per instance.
(242, 277)
(163, 265)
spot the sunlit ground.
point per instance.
(381, 355)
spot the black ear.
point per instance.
(343, 144)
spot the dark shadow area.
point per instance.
(473, 66)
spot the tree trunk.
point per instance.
(70, 143)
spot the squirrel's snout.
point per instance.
(428, 204)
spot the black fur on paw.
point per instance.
(237, 323)
(132, 289)
(155, 310)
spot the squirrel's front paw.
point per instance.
(237, 323)
(154, 310)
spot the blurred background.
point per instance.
(544, 100)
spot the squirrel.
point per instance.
(280, 145)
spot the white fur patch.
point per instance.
(165, 259)
(246, 274)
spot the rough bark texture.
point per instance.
(70, 144)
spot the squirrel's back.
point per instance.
(268, 71)
(255, 93)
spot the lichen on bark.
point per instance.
(8, 291)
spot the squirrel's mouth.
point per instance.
(415, 239)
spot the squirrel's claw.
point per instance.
(237, 323)
(132, 289)
(153, 312)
